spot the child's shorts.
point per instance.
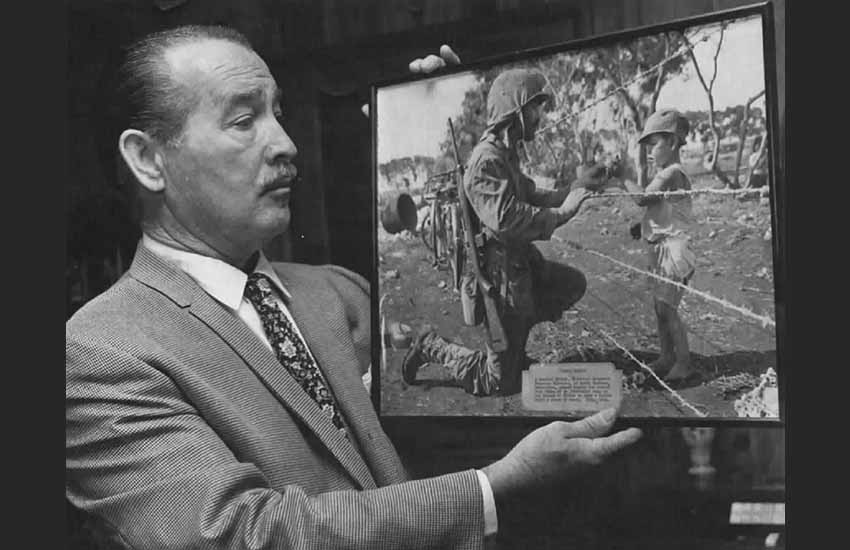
(671, 258)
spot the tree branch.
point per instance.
(627, 99)
(742, 134)
(694, 60)
(760, 154)
(716, 55)
(660, 78)
(714, 168)
(620, 78)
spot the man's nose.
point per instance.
(281, 146)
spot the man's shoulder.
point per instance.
(126, 309)
(306, 276)
(487, 149)
(488, 158)
(302, 270)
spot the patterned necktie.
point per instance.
(289, 348)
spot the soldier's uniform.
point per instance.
(511, 212)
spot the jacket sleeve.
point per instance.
(143, 461)
(353, 289)
(493, 197)
(544, 198)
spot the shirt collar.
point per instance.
(219, 279)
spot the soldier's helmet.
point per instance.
(667, 121)
(511, 91)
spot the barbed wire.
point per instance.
(763, 319)
(639, 326)
(680, 52)
(761, 191)
(684, 402)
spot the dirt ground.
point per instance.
(729, 350)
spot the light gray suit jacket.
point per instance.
(184, 431)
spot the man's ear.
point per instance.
(142, 156)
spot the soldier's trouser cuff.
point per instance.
(479, 373)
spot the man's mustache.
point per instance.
(285, 179)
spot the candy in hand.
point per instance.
(615, 167)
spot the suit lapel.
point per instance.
(317, 314)
(155, 272)
(317, 311)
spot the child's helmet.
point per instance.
(668, 121)
(511, 91)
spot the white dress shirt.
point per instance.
(226, 284)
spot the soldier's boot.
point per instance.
(415, 357)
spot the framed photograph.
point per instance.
(592, 224)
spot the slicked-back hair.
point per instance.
(150, 98)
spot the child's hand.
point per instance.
(614, 167)
(594, 178)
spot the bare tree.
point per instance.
(659, 80)
(759, 156)
(637, 72)
(709, 88)
(743, 128)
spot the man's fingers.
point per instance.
(606, 446)
(449, 55)
(431, 63)
(427, 65)
(592, 426)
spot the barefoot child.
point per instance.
(665, 227)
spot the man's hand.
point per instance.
(594, 178)
(432, 62)
(556, 452)
(427, 65)
(574, 200)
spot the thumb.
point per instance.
(605, 446)
(592, 426)
(449, 55)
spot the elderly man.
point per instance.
(214, 399)
(511, 212)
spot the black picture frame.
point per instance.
(777, 225)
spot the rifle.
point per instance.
(495, 332)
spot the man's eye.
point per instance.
(243, 122)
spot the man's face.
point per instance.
(532, 114)
(229, 177)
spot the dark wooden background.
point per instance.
(324, 54)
